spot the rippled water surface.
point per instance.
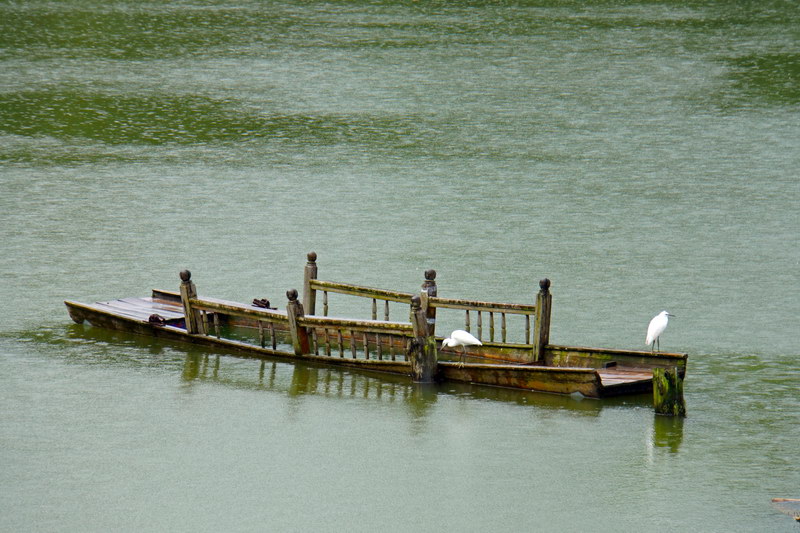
(641, 155)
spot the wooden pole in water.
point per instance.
(188, 291)
(429, 290)
(422, 353)
(541, 328)
(294, 310)
(309, 294)
(668, 392)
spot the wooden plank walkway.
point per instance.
(142, 308)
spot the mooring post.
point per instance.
(422, 353)
(429, 291)
(541, 328)
(668, 392)
(189, 291)
(294, 310)
(309, 294)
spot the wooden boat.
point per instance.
(410, 347)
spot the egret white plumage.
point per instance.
(656, 328)
(461, 338)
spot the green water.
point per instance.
(642, 155)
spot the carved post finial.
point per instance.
(190, 315)
(544, 284)
(310, 274)
(300, 335)
(429, 290)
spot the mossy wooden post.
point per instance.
(309, 294)
(294, 310)
(429, 290)
(188, 291)
(541, 329)
(422, 353)
(668, 392)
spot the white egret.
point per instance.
(656, 328)
(461, 338)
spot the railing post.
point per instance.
(422, 354)
(668, 392)
(309, 294)
(189, 291)
(428, 291)
(541, 329)
(294, 310)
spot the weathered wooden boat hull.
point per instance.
(588, 381)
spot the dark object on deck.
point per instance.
(262, 303)
(157, 320)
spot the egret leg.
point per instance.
(463, 356)
(659, 344)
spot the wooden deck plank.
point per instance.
(141, 308)
(617, 376)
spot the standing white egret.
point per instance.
(656, 328)
(461, 338)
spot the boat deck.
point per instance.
(142, 309)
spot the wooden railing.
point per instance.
(376, 295)
(369, 339)
(265, 320)
(536, 317)
(353, 338)
(478, 309)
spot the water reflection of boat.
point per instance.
(409, 348)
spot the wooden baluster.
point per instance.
(327, 343)
(503, 315)
(341, 343)
(366, 345)
(325, 303)
(353, 347)
(527, 329)
(205, 322)
(216, 323)
(272, 335)
(480, 325)
(261, 338)
(386, 310)
(491, 326)
(374, 309)
(378, 346)
(466, 321)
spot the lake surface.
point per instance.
(641, 155)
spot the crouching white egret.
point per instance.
(461, 338)
(656, 328)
